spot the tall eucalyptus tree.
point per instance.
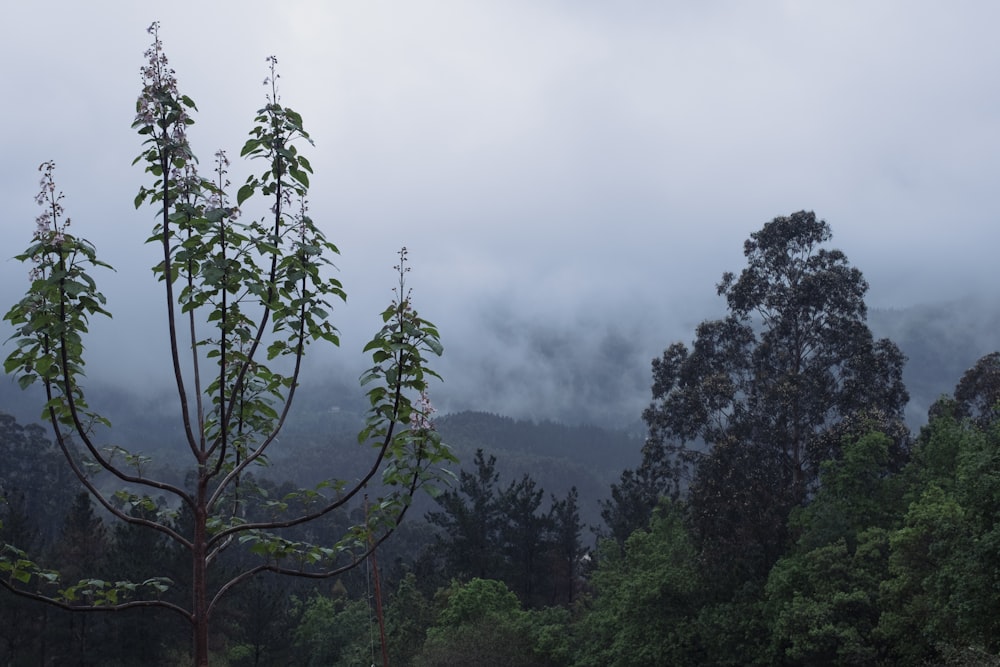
(740, 414)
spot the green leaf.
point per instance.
(300, 176)
(435, 346)
(246, 191)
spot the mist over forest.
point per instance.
(586, 371)
(561, 403)
(668, 431)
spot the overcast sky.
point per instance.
(587, 168)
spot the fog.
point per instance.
(571, 178)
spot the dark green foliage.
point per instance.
(883, 566)
(978, 392)
(525, 539)
(34, 494)
(83, 544)
(409, 615)
(32, 463)
(738, 506)
(482, 623)
(506, 534)
(733, 631)
(816, 539)
(857, 492)
(637, 493)
(470, 517)
(822, 598)
(645, 598)
(260, 621)
(333, 633)
(80, 551)
(941, 592)
(567, 550)
(742, 410)
(822, 604)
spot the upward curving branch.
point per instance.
(252, 295)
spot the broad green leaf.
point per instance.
(245, 192)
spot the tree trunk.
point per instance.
(199, 576)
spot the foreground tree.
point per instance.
(243, 302)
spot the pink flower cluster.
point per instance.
(272, 79)
(50, 226)
(420, 418)
(159, 95)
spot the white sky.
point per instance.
(584, 167)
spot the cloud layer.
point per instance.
(583, 169)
